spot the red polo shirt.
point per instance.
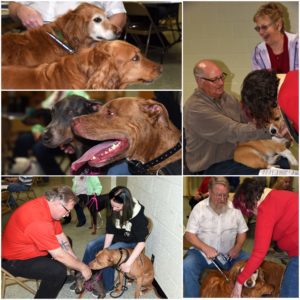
(30, 231)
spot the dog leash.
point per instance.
(61, 43)
(138, 168)
(91, 201)
(223, 274)
(117, 267)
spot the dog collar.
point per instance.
(59, 39)
(138, 168)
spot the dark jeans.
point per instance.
(13, 188)
(51, 273)
(230, 167)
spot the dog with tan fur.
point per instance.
(263, 154)
(141, 270)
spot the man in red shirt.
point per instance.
(35, 246)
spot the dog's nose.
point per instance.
(273, 131)
(46, 137)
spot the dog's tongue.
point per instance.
(99, 154)
(88, 155)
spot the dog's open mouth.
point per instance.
(100, 155)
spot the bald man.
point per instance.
(214, 123)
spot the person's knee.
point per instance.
(59, 271)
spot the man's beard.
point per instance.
(219, 208)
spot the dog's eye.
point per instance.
(97, 20)
(136, 58)
(277, 119)
(110, 113)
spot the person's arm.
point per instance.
(236, 249)
(68, 260)
(108, 240)
(65, 245)
(29, 17)
(192, 238)
(219, 128)
(125, 267)
(119, 19)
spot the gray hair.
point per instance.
(218, 180)
(63, 193)
(198, 71)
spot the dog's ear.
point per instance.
(74, 26)
(236, 270)
(104, 76)
(156, 112)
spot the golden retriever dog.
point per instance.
(129, 127)
(107, 65)
(214, 284)
(141, 270)
(78, 29)
(262, 154)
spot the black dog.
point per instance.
(59, 133)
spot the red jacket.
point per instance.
(277, 219)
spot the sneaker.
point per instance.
(73, 286)
(95, 293)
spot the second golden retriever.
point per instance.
(107, 65)
(141, 269)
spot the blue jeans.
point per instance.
(194, 264)
(13, 188)
(289, 285)
(93, 247)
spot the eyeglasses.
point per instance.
(262, 28)
(220, 196)
(66, 209)
(214, 80)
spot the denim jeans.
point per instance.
(289, 285)
(93, 247)
(51, 273)
(194, 264)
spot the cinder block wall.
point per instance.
(223, 31)
(162, 198)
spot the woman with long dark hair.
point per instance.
(126, 227)
(277, 214)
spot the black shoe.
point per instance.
(73, 286)
(79, 224)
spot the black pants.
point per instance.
(51, 273)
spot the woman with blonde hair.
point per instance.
(279, 49)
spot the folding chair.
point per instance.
(8, 279)
(145, 26)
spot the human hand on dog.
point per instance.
(86, 272)
(237, 291)
(210, 252)
(29, 17)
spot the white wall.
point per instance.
(223, 31)
(162, 198)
